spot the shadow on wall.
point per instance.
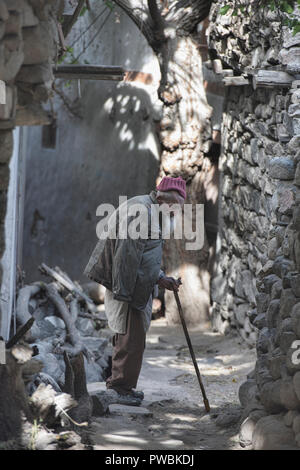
(113, 150)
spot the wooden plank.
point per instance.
(271, 78)
(217, 66)
(2, 92)
(89, 72)
(227, 73)
(235, 81)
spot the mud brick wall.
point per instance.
(28, 45)
(256, 287)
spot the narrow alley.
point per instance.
(149, 188)
(175, 417)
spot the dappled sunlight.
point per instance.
(176, 416)
(122, 438)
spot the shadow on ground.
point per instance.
(177, 417)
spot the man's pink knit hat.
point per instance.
(173, 184)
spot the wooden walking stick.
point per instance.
(188, 340)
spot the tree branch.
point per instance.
(140, 16)
(186, 14)
(158, 23)
(68, 25)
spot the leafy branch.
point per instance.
(286, 8)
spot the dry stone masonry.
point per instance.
(256, 287)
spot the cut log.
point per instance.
(25, 294)
(83, 411)
(76, 345)
(49, 405)
(21, 352)
(272, 78)
(69, 285)
(75, 385)
(20, 333)
(69, 376)
(74, 309)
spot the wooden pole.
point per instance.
(188, 340)
(90, 72)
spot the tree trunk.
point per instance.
(185, 134)
(185, 131)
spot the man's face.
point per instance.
(174, 198)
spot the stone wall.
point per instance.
(27, 47)
(256, 287)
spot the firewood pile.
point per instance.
(58, 348)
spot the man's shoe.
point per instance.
(138, 394)
(123, 398)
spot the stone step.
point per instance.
(117, 409)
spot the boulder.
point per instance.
(28, 17)
(247, 392)
(296, 383)
(289, 417)
(38, 44)
(85, 326)
(273, 313)
(288, 397)
(95, 345)
(287, 302)
(271, 433)
(93, 371)
(270, 396)
(33, 74)
(296, 424)
(291, 59)
(282, 168)
(247, 427)
(51, 365)
(295, 318)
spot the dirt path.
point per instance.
(177, 418)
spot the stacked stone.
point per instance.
(245, 38)
(27, 47)
(257, 279)
(246, 208)
(275, 383)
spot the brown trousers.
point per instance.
(128, 354)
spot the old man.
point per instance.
(130, 269)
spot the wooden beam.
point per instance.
(271, 78)
(89, 72)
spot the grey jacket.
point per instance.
(127, 267)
